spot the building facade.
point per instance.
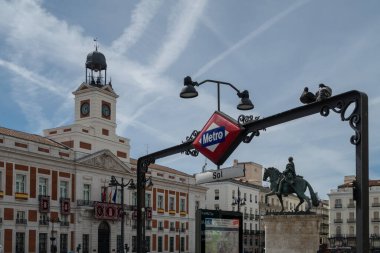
(343, 215)
(55, 193)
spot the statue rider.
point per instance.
(289, 175)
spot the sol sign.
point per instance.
(218, 138)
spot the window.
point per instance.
(63, 243)
(147, 239)
(338, 216)
(20, 217)
(86, 192)
(147, 199)
(119, 244)
(171, 203)
(42, 243)
(20, 242)
(1, 181)
(376, 230)
(160, 225)
(338, 203)
(352, 230)
(216, 194)
(65, 220)
(159, 248)
(63, 189)
(250, 198)
(245, 196)
(20, 183)
(160, 201)
(44, 219)
(134, 239)
(182, 204)
(376, 215)
(375, 200)
(86, 243)
(255, 198)
(233, 193)
(351, 216)
(338, 230)
(43, 186)
(171, 244)
(182, 244)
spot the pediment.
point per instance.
(105, 160)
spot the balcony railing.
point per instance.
(338, 220)
(44, 222)
(183, 230)
(376, 204)
(65, 223)
(375, 219)
(251, 217)
(172, 229)
(85, 202)
(351, 205)
(351, 220)
(338, 205)
(246, 232)
(21, 221)
(148, 227)
(245, 216)
(160, 228)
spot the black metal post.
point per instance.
(218, 97)
(179, 233)
(121, 246)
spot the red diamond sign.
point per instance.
(218, 138)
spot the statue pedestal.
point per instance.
(292, 233)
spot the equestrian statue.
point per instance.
(288, 182)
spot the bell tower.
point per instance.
(94, 128)
(95, 100)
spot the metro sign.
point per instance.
(218, 138)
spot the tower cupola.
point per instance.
(96, 68)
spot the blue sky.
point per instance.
(271, 48)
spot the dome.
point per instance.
(96, 61)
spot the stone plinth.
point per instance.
(292, 233)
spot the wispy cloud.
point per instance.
(182, 24)
(140, 20)
(265, 26)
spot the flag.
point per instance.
(110, 196)
(104, 194)
(114, 196)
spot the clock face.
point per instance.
(106, 110)
(85, 109)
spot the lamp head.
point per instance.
(113, 181)
(132, 185)
(188, 91)
(245, 103)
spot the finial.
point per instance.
(96, 44)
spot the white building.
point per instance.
(343, 214)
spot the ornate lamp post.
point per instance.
(189, 91)
(238, 201)
(131, 185)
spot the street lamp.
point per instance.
(131, 185)
(189, 91)
(238, 201)
(53, 246)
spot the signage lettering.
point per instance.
(213, 136)
(217, 174)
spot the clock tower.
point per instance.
(94, 128)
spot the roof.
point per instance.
(370, 184)
(162, 168)
(30, 137)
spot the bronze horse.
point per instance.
(298, 187)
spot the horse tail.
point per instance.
(313, 195)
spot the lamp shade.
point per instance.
(188, 92)
(245, 103)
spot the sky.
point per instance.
(271, 48)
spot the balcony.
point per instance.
(21, 195)
(351, 220)
(376, 204)
(171, 211)
(245, 216)
(172, 229)
(1, 194)
(160, 228)
(351, 205)
(148, 227)
(85, 202)
(251, 217)
(21, 221)
(338, 220)
(338, 205)
(246, 232)
(375, 219)
(44, 222)
(183, 230)
(65, 224)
